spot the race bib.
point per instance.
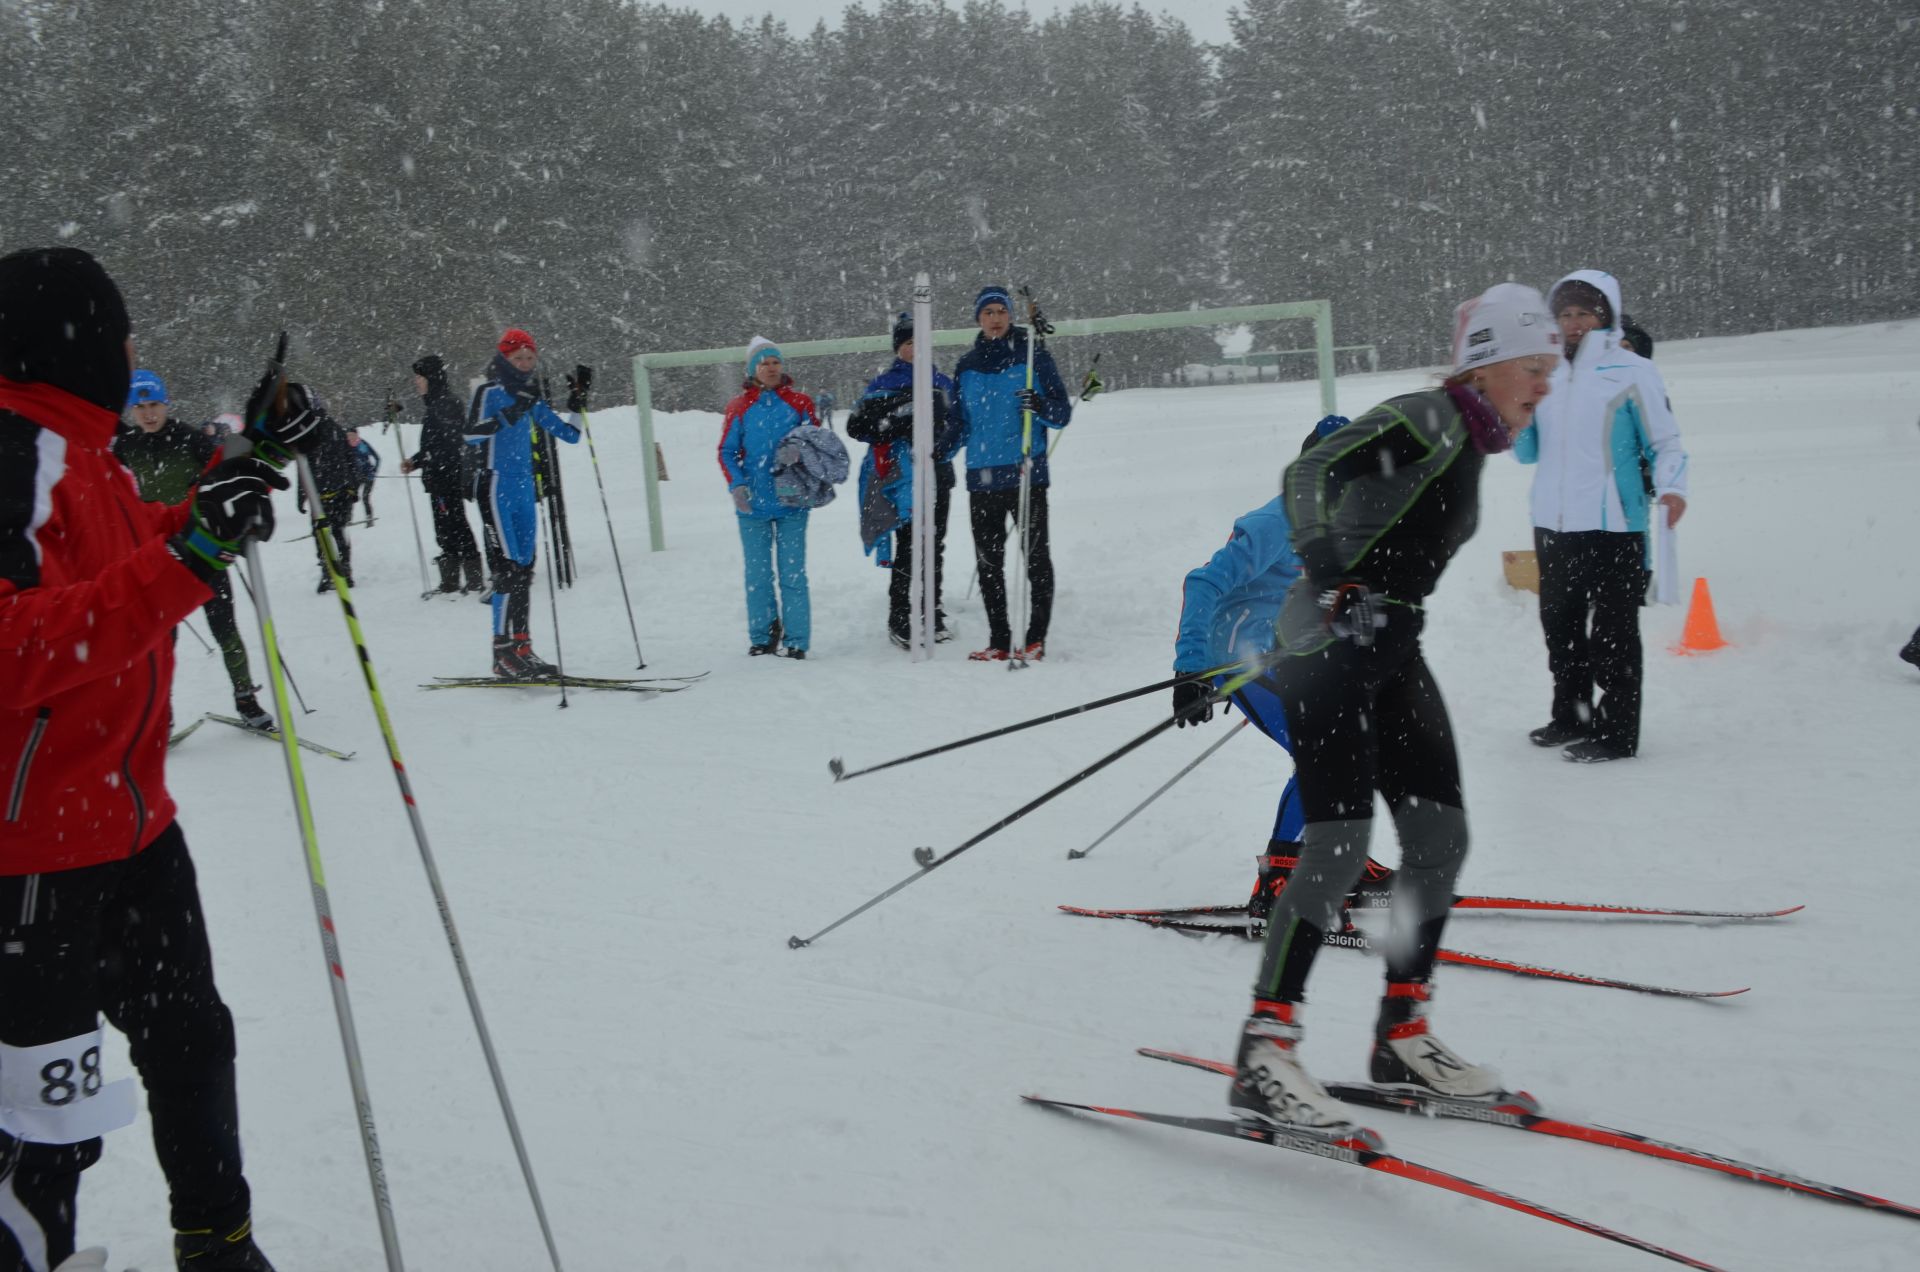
(55, 1093)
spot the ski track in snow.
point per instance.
(698, 1096)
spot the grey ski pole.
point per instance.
(1074, 854)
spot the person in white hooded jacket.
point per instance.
(1608, 451)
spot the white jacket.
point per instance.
(1606, 412)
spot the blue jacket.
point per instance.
(502, 426)
(1229, 605)
(756, 421)
(886, 472)
(990, 420)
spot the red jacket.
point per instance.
(89, 593)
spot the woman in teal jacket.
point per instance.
(773, 536)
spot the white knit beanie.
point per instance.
(761, 347)
(1508, 320)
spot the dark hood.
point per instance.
(63, 322)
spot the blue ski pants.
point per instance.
(777, 547)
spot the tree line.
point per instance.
(390, 177)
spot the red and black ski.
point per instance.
(1522, 1113)
(1365, 1152)
(1370, 899)
(1357, 940)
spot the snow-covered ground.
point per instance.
(698, 1096)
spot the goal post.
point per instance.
(645, 364)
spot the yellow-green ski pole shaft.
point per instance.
(323, 911)
(427, 860)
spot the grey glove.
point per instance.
(742, 500)
(1352, 612)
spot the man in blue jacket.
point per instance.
(990, 403)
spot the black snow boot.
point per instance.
(205, 1251)
(449, 574)
(1911, 653)
(247, 707)
(476, 577)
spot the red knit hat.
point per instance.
(515, 338)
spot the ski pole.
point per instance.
(204, 643)
(285, 670)
(1035, 330)
(612, 540)
(1074, 854)
(929, 862)
(839, 770)
(413, 513)
(323, 915)
(433, 875)
(553, 603)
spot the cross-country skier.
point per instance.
(1378, 509)
(1227, 612)
(1592, 503)
(506, 411)
(99, 911)
(166, 459)
(438, 460)
(883, 418)
(989, 402)
(368, 460)
(337, 474)
(773, 536)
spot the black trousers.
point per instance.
(1592, 584)
(512, 581)
(226, 634)
(1363, 720)
(126, 938)
(337, 513)
(900, 585)
(995, 513)
(450, 529)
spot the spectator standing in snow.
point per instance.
(883, 418)
(1227, 612)
(99, 909)
(439, 459)
(166, 459)
(825, 404)
(773, 537)
(989, 404)
(1378, 508)
(369, 461)
(506, 410)
(1591, 502)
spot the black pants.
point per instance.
(512, 581)
(994, 513)
(126, 938)
(1363, 720)
(337, 514)
(900, 586)
(226, 634)
(1597, 577)
(450, 529)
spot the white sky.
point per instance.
(1207, 19)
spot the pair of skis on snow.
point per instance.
(1219, 920)
(620, 684)
(272, 735)
(1513, 1110)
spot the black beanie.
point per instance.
(433, 368)
(62, 322)
(902, 330)
(1584, 294)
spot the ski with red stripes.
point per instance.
(1355, 939)
(1371, 899)
(1364, 1150)
(1521, 1112)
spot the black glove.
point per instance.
(1352, 612)
(1192, 703)
(579, 384)
(1031, 400)
(233, 502)
(1038, 321)
(1321, 559)
(281, 423)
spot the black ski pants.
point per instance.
(900, 585)
(995, 513)
(1366, 720)
(1592, 584)
(337, 513)
(226, 634)
(450, 529)
(126, 938)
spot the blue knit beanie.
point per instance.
(991, 295)
(147, 386)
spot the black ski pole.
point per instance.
(559, 650)
(929, 862)
(584, 375)
(839, 769)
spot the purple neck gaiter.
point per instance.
(1489, 435)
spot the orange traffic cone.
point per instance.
(1702, 632)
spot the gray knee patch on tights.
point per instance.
(1332, 856)
(1433, 844)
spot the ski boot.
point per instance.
(1910, 652)
(900, 639)
(203, 1251)
(507, 663)
(1272, 1088)
(1406, 1054)
(756, 651)
(942, 633)
(247, 707)
(1276, 866)
(476, 580)
(449, 574)
(536, 666)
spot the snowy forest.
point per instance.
(388, 176)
